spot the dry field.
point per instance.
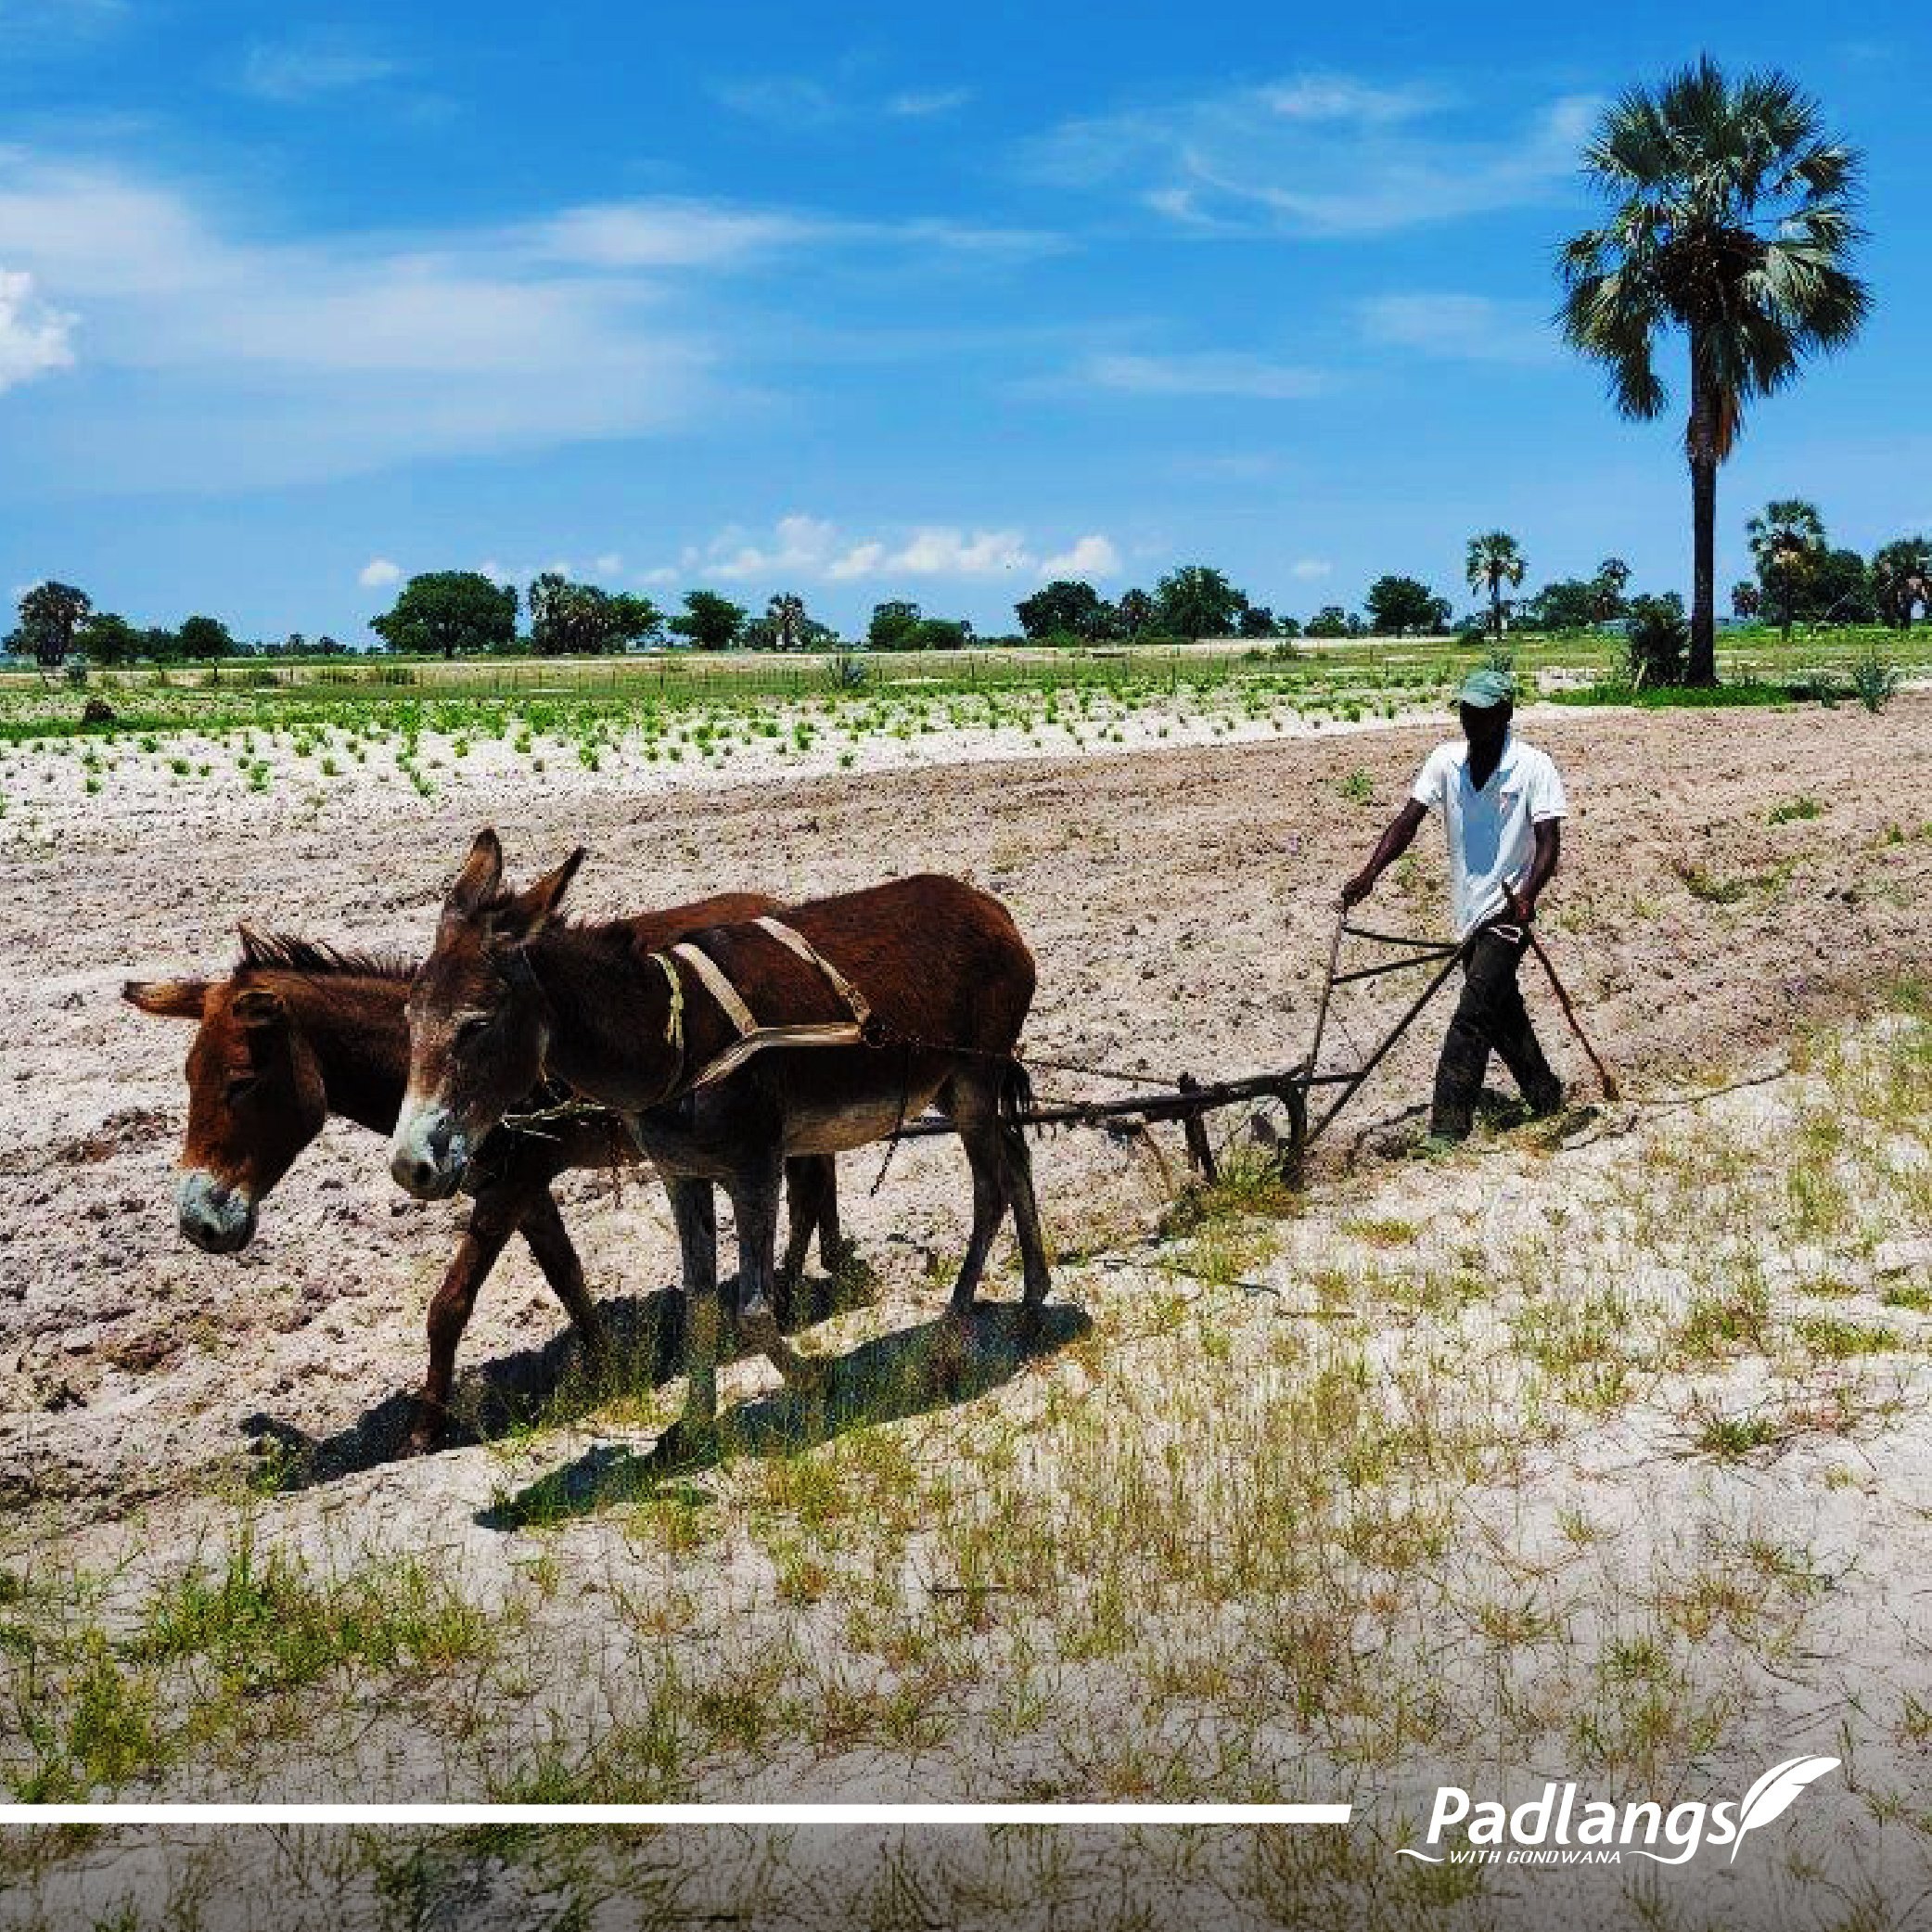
(1603, 1459)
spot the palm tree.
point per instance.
(1732, 222)
(1785, 541)
(1901, 577)
(785, 614)
(1493, 561)
(1612, 579)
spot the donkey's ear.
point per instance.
(255, 1007)
(481, 877)
(167, 999)
(531, 910)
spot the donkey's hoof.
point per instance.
(686, 1444)
(425, 1435)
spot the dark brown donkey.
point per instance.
(509, 995)
(300, 1031)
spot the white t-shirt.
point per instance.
(1491, 840)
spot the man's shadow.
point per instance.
(549, 1384)
(910, 1372)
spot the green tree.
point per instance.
(1494, 559)
(107, 638)
(1733, 223)
(447, 611)
(580, 619)
(1901, 578)
(1396, 605)
(1197, 601)
(893, 622)
(1331, 621)
(204, 637)
(1136, 611)
(634, 620)
(1838, 590)
(1787, 543)
(1255, 621)
(1066, 608)
(1746, 598)
(1567, 604)
(785, 614)
(1612, 579)
(50, 614)
(710, 621)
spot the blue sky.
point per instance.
(867, 301)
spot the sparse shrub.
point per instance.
(1874, 679)
(1656, 647)
(847, 671)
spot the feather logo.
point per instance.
(1776, 1790)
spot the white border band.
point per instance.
(772, 1814)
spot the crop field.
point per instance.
(307, 731)
(1596, 1452)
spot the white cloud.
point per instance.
(917, 105)
(802, 549)
(1089, 557)
(665, 233)
(783, 101)
(1311, 567)
(35, 338)
(1207, 373)
(378, 573)
(807, 103)
(1318, 155)
(263, 361)
(301, 69)
(1462, 328)
(609, 565)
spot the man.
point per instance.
(1502, 807)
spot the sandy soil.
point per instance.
(1179, 902)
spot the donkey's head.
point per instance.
(478, 1024)
(255, 1099)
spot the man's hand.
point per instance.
(1522, 906)
(1357, 889)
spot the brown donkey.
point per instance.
(299, 1032)
(509, 995)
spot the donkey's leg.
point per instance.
(1018, 1161)
(754, 1204)
(695, 1211)
(804, 1182)
(834, 1250)
(490, 1220)
(970, 1100)
(543, 1228)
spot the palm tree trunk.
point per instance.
(1700, 443)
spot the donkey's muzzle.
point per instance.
(218, 1219)
(428, 1155)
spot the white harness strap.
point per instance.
(717, 985)
(753, 1038)
(799, 943)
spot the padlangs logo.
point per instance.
(1560, 1829)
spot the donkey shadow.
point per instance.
(552, 1383)
(910, 1372)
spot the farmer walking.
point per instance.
(1502, 807)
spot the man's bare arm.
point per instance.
(1393, 843)
(1542, 867)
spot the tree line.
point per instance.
(1800, 577)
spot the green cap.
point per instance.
(1483, 690)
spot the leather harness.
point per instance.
(860, 1029)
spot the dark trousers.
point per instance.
(1490, 1017)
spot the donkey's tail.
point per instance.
(1015, 1101)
